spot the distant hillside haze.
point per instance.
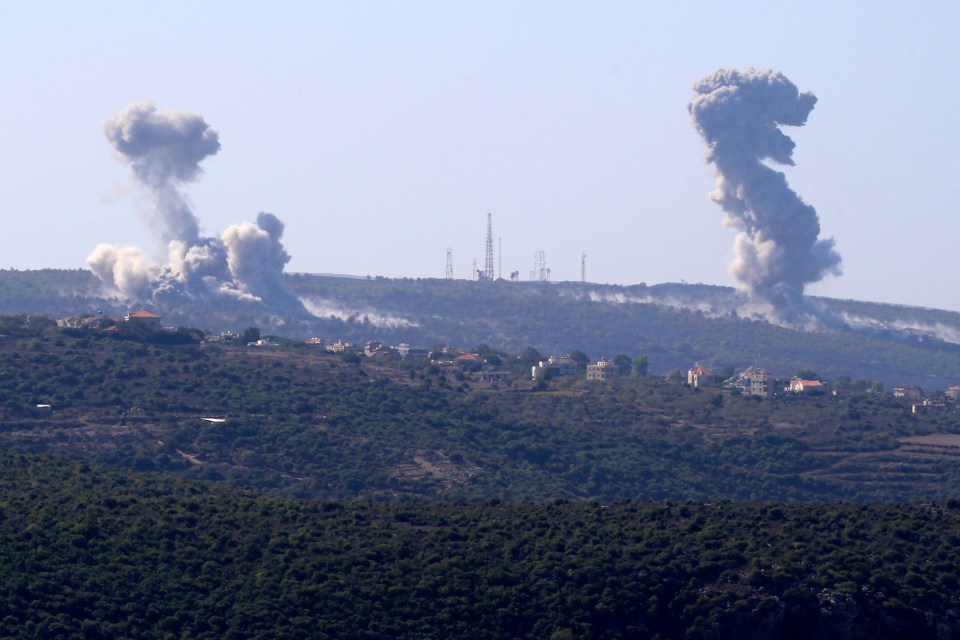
(675, 325)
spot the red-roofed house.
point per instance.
(144, 318)
(805, 386)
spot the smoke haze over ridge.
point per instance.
(778, 250)
(243, 266)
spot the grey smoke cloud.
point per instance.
(164, 149)
(778, 250)
(243, 266)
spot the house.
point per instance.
(554, 367)
(953, 393)
(753, 382)
(798, 385)
(910, 393)
(224, 336)
(700, 377)
(374, 348)
(493, 376)
(406, 351)
(144, 318)
(316, 342)
(929, 406)
(603, 370)
(339, 346)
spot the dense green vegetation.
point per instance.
(312, 424)
(154, 486)
(86, 553)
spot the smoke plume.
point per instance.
(243, 266)
(778, 250)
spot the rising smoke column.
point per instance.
(243, 266)
(164, 150)
(778, 251)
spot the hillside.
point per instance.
(675, 325)
(299, 420)
(88, 553)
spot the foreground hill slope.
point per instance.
(307, 423)
(86, 553)
(675, 325)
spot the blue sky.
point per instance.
(382, 133)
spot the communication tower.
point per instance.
(540, 271)
(449, 263)
(583, 267)
(488, 273)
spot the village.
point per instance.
(494, 368)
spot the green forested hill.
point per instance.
(313, 424)
(86, 553)
(187, 490)
(675, 325)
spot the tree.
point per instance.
(530, 357)
(624, 364)
(581, 359)
(640, 366)
(250, 334)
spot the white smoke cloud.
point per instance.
(322, 308)
(778, 251)
(732, 305)
(244, 265)
(904, 327)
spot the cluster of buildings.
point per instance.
(374, 349)
(104, 323)
(755, 381)
(921, 403)
(560, 367)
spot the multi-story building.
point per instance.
(603, 370)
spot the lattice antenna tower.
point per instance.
(488, 272)
(583, 267)
(449, 264)
(539, 267)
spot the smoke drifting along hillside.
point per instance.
(778, 251)
(243, 267)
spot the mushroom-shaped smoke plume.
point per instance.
(243, 266)
(778, 251)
